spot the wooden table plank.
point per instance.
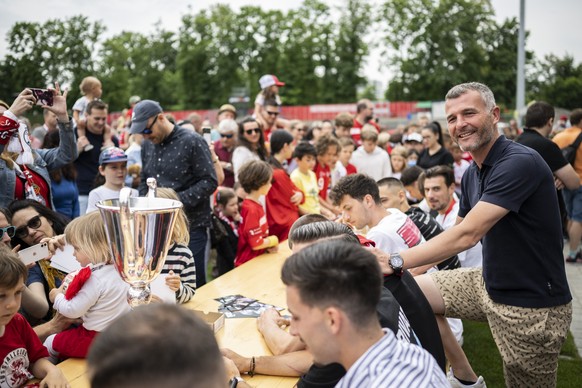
(258, 279)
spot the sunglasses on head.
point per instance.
(250, 131)
(34, 223)
(273, 113)
(228, 136)
(148, 130)
(9, 230)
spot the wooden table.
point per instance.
(259, 279)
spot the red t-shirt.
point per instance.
(356, 130)
(252, 231)
(323, 175)
(19, 347)
(281, 213)
(351, 169)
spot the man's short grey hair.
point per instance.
(228, 125)
(486, 93)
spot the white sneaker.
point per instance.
(455, 383)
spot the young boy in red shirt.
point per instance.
(253, 232)
(22, 355)
(327, 148)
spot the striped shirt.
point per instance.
(393, 363)
(181, 261)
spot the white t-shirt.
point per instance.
(472, 257)
(376, 165)
(101, 193)
(395, 232)
(81, 105)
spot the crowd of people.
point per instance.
(448, 220)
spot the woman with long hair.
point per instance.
(434, 153)
(251, 144)
(35, 222)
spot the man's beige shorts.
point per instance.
(529, 339)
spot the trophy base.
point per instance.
(138, 295)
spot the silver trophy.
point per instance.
(139, 232)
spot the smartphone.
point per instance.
(34, 253)
(43, 96)
(206, 134)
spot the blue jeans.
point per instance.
(198, 241)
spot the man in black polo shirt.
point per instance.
(179, 159)
(509, 203)
(539, 121)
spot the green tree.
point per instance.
(350, 48)
(557, 81)
(434, 44)
(57, 50)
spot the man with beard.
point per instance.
(364, 115)
(87, 163)
(508, 203)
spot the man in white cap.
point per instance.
(179, 159)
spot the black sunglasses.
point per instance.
(229, 136)
(34, 223)
(273, 113)
(9, 230)
(148, 130)
(250, 131)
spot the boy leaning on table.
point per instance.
(21, 352)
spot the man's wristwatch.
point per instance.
(396, 263)
(234, 381)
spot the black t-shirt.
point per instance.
(419, 313)
(441, 158)
(522, 253)
(87, 164)
(548, 150)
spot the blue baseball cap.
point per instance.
(112, 155)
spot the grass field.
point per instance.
(485, 359)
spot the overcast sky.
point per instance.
(554, 26)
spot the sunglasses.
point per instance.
(9, 230)
(34, 223)
(250, 131)
(229, 136)
(148, 130)
(273, 113)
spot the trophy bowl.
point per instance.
(139, 232)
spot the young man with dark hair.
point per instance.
(539, 122)
(335, 316)
(358, 198)
(87, 164)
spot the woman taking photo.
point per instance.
(24, 172)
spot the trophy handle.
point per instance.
(153, 186)
(126, 224)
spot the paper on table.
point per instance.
(65, 260)
(161, 290)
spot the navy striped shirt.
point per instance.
(393, 363)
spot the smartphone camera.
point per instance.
(206, 134)
(43, 96)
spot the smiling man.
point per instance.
(335, 317)
(508, 203)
